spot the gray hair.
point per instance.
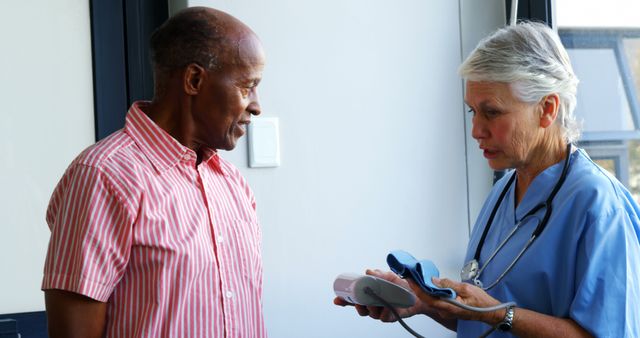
(529, 57)
(191, 36)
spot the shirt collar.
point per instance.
(540, 188)
(162, 150)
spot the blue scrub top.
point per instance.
(586, 263)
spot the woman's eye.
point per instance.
(492, 113)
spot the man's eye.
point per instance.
(471, 111)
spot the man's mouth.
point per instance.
(243, 123)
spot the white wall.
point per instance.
(45, 120)
(373, 151)
(373, 144)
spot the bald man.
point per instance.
(152, 233)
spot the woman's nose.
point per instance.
(478, 128)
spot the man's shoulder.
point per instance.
(106, 151)
(116, 155)
(101, 164)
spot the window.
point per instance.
(604, 45)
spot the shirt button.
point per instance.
(229, 294)
(220, 239)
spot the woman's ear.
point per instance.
(549, 105)
(193, 78)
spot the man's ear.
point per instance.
(193, 78)
(549, 106)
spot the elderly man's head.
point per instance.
(215, 62)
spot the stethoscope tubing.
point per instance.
(536, 233)
(504, 242)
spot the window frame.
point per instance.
(613, 39)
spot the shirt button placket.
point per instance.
(216, 251)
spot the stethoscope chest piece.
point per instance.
(470, 272)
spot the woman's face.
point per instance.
(506, 128)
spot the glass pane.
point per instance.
(632, 53)
(597, 13)
(600, 90)
(634, 168)
(603, 42)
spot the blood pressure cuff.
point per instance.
(406, 266)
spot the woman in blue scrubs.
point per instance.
(572, 266)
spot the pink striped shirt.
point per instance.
(174, 249)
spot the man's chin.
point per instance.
(229, 148)
(230, 145)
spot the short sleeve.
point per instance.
(607, 299)
(91, 231)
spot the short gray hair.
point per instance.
(529, 57)
(191, 36)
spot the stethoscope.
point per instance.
(472, 270)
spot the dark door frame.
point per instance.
(535, 10)
(122, 74)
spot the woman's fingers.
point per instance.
(446, 283)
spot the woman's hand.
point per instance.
(467, 294)
(380, 312)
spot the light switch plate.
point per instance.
(264, 142)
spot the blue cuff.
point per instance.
(406, 266)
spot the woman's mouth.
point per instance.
(489, 154)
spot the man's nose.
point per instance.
(254, 106)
